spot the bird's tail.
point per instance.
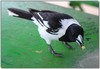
(19, 13)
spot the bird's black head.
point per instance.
(75, 33)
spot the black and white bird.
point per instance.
(53, 26)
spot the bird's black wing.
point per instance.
(48, 14)
(53, 18)
(35, 10)
(45, 14)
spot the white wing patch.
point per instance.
(35, 21)
(40, 16)
(39, 24)
(12, 13)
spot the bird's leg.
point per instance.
(68, 46)
(53, 51)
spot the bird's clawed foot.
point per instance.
(68, 46)
(53, 51)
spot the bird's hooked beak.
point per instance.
(79, 40)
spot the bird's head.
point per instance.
(76, 33)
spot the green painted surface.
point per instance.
(22, 46)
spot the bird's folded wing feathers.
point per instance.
(34, 10)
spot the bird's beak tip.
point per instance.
(83, 47)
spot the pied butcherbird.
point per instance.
(53, 26)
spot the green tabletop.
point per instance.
(22, 46)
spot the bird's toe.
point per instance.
(58, 54)
(70, 47)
